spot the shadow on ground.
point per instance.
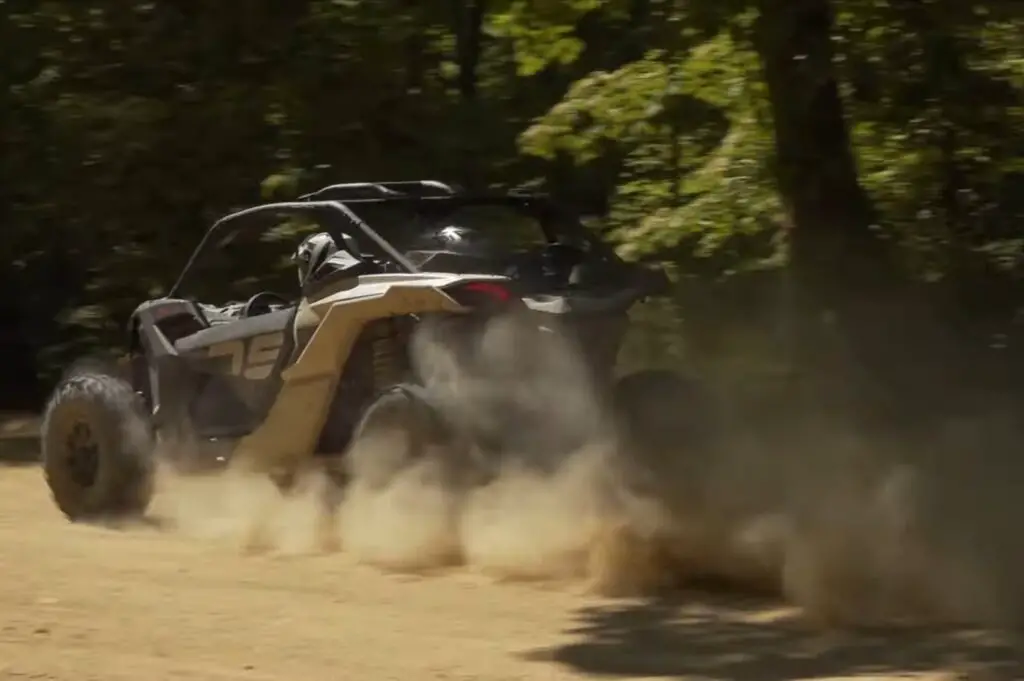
(718, 638)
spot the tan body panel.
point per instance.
(289, 434)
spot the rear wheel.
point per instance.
(669, 429)
(97, 447)
(398, 429)
(663, 410)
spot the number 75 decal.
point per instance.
(251, 358)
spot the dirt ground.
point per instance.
(81, 603)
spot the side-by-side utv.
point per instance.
(281, 378)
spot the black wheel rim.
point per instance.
(83, 454)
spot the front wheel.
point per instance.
(97, 447)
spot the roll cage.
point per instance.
(334, 214)
(332, 205)
(554, 219)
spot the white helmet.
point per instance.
(313, 252)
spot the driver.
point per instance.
(318, 256)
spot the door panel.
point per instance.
(233, 372)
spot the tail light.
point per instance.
(482, 294)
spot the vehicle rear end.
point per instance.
(515, 381)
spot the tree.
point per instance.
(840, 267)
(827, 162)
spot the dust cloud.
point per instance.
(852, 530)
(247, 511)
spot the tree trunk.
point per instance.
(469, 27)
(850, 311)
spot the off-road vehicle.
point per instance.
(278, 379)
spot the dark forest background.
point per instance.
(836, 186)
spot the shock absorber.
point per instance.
(387, 354)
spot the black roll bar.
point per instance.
(355, 190)
(293, 208)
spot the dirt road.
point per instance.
(84, 603)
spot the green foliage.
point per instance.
(126, 129)
(689, 134)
